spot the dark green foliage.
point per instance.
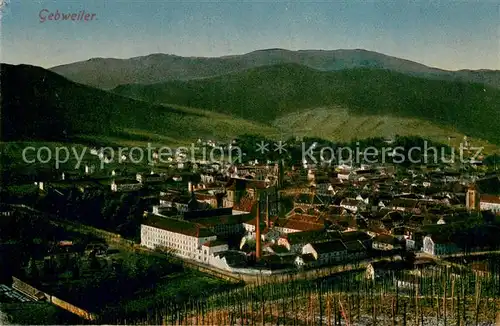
(265, 93)
(75, 269)
(39, 104)
(32, 271)
(94, 263)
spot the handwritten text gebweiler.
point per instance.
(46, 14)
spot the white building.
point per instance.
(490, 202)
(207, 178)
(326, 252)
(89, 169)
(209, 249)
(125, 185)
(145, 178)
(184, 239)
(181, 204)
(344, 175)
(437, 245)
(352, 205)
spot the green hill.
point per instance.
(108, 73)
(265, 94)
(40, 105)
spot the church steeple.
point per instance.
(472, 198)
(192, 203)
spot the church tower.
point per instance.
(472, 198)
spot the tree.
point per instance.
(94, 262)
(117, 266)
(48, 267)
(33, 273)
(75, 270)
(409, 258)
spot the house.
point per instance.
(165, 211)
(147, 178)
(403, 232)
(405, 205)
(438, 245)
(383, 268)
(89, 169)
(278, 250)
(326, 252)
(324, 188)
(276, 262)
(386, 243)
(305, 260)
(375, 226)
(249, 226)
(345, 222)
(312, 200)
(353, 205)
(237, 188)
(415, 221)
(212, 247)
(228, 259)
(449, 218)
(484, 195)
(355, 250)
(345, 175)
(212, 199)
(6, 210)
(224, 225)
(207, 178)
(490, 203)
(290, 225)
(364, 199)
(295, 241)
(180, 203)
(125, 185)
(70, 175)
(352, 236)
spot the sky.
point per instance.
(445, 34)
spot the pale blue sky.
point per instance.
(445, 34)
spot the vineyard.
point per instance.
(438, 295)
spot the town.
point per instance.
(252, 221)
(249, 163)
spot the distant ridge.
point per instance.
(108, 73)
(38, 104)
(264, 94)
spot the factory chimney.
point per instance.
(267, 211)
(257, 231)
(281, 174)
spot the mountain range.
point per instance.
(339, 95)
(267, 93)
(108, 73)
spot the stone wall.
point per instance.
(72, 308)
(36, 293)
(29, 290)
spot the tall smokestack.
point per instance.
(257, 231)
(280, 174)
(267, 210)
